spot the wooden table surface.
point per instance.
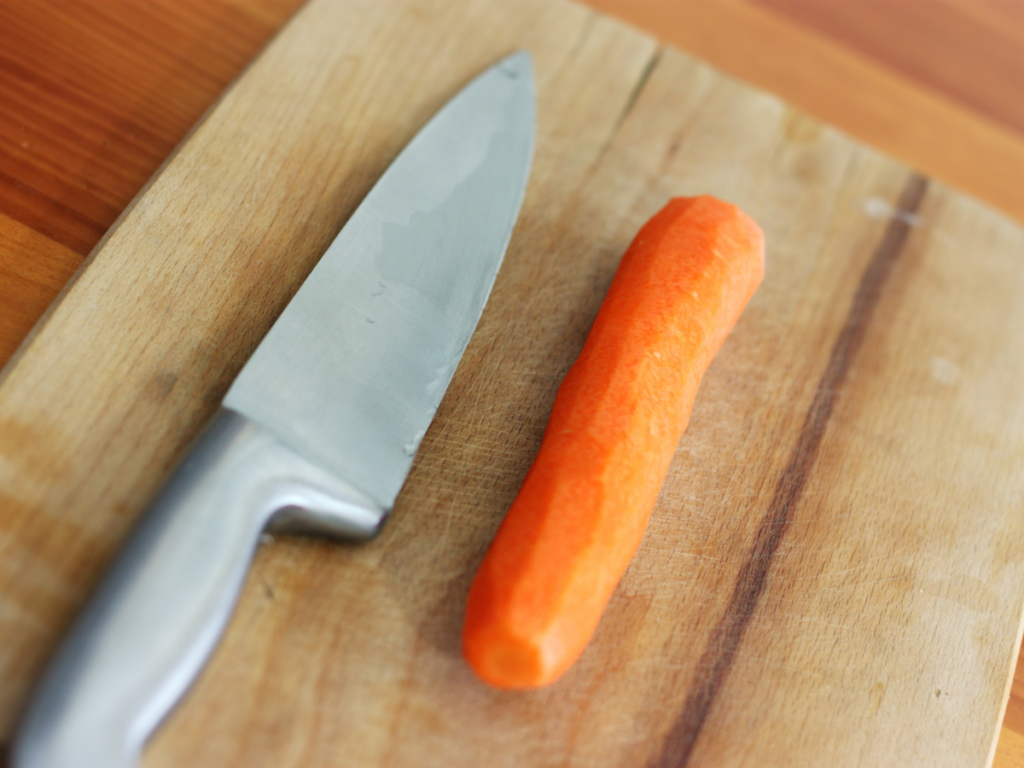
(95, 95)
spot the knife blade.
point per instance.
(316, 434)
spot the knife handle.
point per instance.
(161, 609)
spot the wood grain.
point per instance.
(885, 610)
(968, 51)
(80, 146)
(728, 633)
(870, 84)
(1010, 751)
(33, 269)
(93, 98)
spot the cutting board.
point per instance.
(834, 573)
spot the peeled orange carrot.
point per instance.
(582, 510)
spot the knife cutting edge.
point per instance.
(316, 434)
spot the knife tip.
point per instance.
(516, 66)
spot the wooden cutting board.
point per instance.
(834, 573)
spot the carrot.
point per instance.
(583, 508)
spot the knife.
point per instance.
(317, 433)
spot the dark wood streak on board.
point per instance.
(728, 634)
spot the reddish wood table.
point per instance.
(94, 96)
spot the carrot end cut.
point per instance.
(506, 662)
